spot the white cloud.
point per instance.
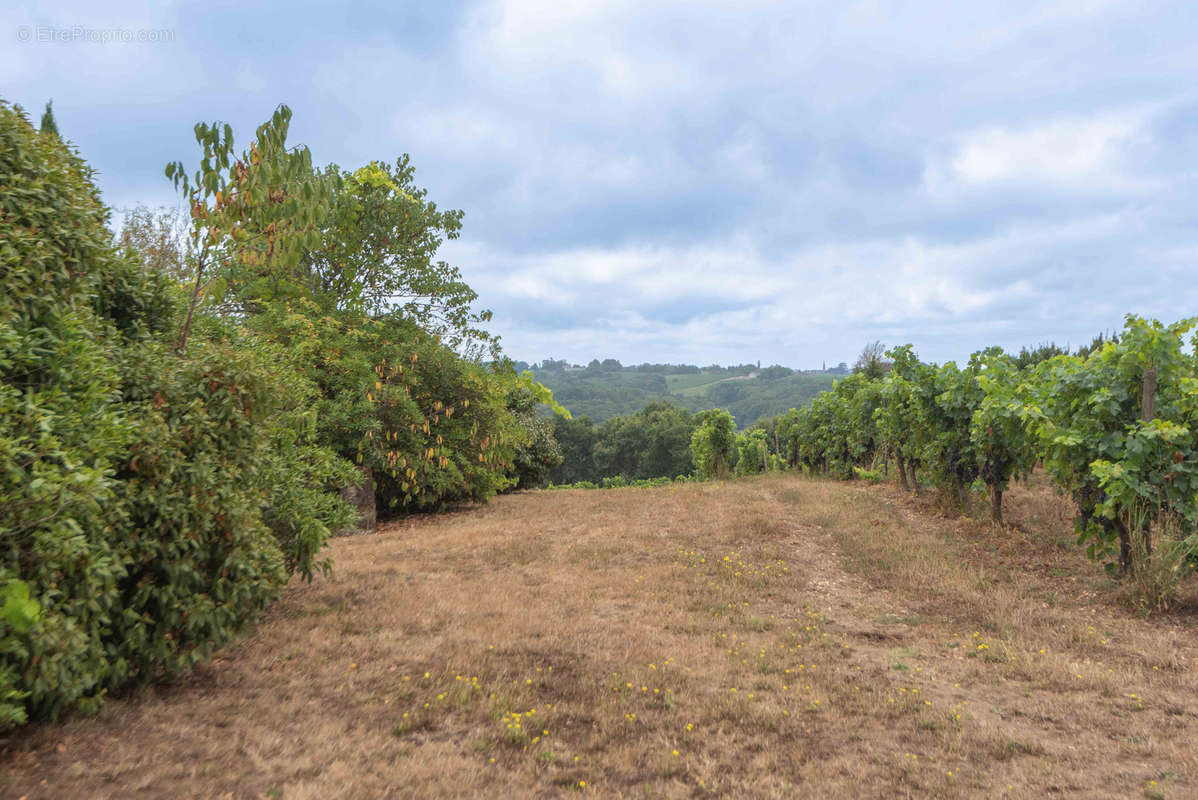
(790, 308)
(1075, 150)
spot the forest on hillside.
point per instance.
(606, 389)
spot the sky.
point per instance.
(699, 182)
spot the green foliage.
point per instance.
(140, 303)
(1126, 472)
(1002, 442)
(838, 431)
(648, 444)
(158, 238)
(897, 418)
(199, 556)
(947, 417)
(620, 482)
(752, 452)
(378, 254)
(1029, 358)
(48, 126)
(254, 218)
(576, 438)
(432, 427)
(20, 610)
(651, 443)
(539, 453)
(712, 444)
(150, 503)
(59, 430)
(339, 269)
(1117, 429)
(602, 393)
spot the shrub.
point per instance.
(150, 502)
(59, 431)
(712, 444)
(220, 499)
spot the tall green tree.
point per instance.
(576, 437)
(652, 443)
(48, 126)
(379, 252)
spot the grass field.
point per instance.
(776, 637)
(693, 384)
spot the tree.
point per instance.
(253, 217)
(150, 502)
(872, 361)
(752, 452)
(159, 238)
(900, 431)
(1041, 352)
(539, 453)
(947, 415)
(577, 438)
(712, 443)
(378, 254)
(48, 126)
(652, 443)
(60, 432)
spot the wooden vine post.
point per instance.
(1147, 414)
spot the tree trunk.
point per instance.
(962, 496)
(1147, 413)
(181, 345)
(1126, 565)
(361, 497)
(996, 504)
(902, 471)
(1148, 399)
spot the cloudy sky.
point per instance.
(701, 181)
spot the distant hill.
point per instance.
(607, 389)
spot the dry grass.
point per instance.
(775, 637)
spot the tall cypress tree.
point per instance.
(48, 124)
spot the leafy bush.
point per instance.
(432, 428)
(712, 444)
(150, 502)
(539, 453)
(445, 432)
(59, 430)
(752, 452)
(1128, 456)
(221, 497)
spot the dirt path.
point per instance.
(1102, 701)
(763, 638)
